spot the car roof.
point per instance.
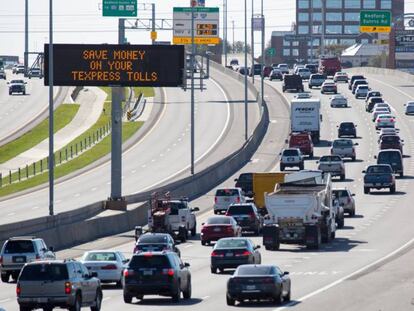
(389, 151)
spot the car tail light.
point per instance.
(109, 267)
(243, 254)
(18, 289)
(229, 229)
(267, 280)
(128, 273)
(237, 200)
(68, 288)
(215, 200)
(169, 272)
(216, 254)
(392, 120)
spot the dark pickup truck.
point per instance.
(378, 177)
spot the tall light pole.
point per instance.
(233, 37)
(263, 53)
(311, 31)
(51, 119)
(323, 28)
(26, 36)
(252, 69)
(246, 111)
(192, 60)
(225, 31)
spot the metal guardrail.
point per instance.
(138, 108)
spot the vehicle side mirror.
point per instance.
(286, 141)
(353, 194)
(93, 274)
(8, 82)
(356, 144)
(195, 209)
(186, 264)
(125, 260)
(25, 83)
(51, 248)
(286, 273)
(202, 223)
(364, 171)
(257, 247)
(280, 153)
(317, 162)
(236, 180)
(321, 118)
(375, 157)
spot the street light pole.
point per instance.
(246, 111)
(26, 36)
(192, 60)
(323, 28)
(233, 38)
(252, 67)
(263, 53)
(51, 119)
(225, 31)
(153, 22)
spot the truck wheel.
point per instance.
(392, 189)
(187, 292)
(203, 242)
(5, 277)
(301, 167)
(352, 213)
(314, 232)
(282, 167)
(310, 86)
(283, 89)
(341, 222)
(326, 235)
(311, 155)
(15, 275)
(353, 158)
(182, 234)
(213, 270)
(193, 230)
(401, 175)
(230, 301)
(366, 190)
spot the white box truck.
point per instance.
(305, 116)
(300, 211)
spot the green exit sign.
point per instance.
(271, 51)
(119, 8)
(375, 21)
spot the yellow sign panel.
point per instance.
(197, 40)
(374, 29)
(153, 35)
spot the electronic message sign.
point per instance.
(115, 65)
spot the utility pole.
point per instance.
(116, 135)
(51, 117)
(153, 21)
(26, 36)
(311, 31)
(252, 67)
(192, 60)
(233, 38)
(263, 52)
(322, 46)
(246, 110)
(225, 31)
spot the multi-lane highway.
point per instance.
(162, 154)
(18, 113)
(381, 228)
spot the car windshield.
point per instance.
(231, 243)
(342, 143)
(100, 256)
(376, 100)
(330, 159)
(290, 153)
(226, 192)
(363, 87)
(329, 84)
(44, 272)
(17, 247)
(410, 108)
(148, 260)
(16, 81)
(239, 209)
(318, 77)
(379, 169)
(253, 270)
(218, 221)
(153, 238)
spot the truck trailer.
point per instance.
(305, 116)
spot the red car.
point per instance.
(303, 141)
(218, 227)
(266, 71)
(391, 142)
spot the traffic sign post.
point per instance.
(271, 51)
(206, 25)
(119, 8)
(375, 21)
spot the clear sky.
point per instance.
(81, 21)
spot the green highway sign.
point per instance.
(119, 8)
(375, 21)
(271, 51)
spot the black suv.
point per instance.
(347, 129)
(58, 283)
(247, 216)
(369, 106)
(245, 182)
(353, 78)
(156, 273)
(292, 82)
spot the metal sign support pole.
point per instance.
(26, 37)
(51, 119)
(116, 138)
(192, 60)
(246, 110)
(263, 54)
(252, 66)
(153, 20)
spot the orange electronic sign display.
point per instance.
(115, 65)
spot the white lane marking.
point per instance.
(77, 195)
(133, 171)
(205, 297)
(143, 165)
(5, 300)
(189, 245)
(94, 189)
(339, 281)
(106, 298)
(35, 207)
(255, 160)
(11, 214)
(208, 150)
(58, 201)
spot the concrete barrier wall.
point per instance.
(87, 224)
(382, 71)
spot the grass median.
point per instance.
(87, 157)
(63, 115)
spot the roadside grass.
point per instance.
(89, 156)
(63, 115)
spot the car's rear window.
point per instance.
(363, 87)
(240, 209)
(231, 243)
(342, 143)
(149, 261)
(297, 139)
(227, 192)
(44, 272)
(290, 153)
(245, 177)
(330, 158)
(254, 270)
(100, 256)
(347, 125)
(340, 193)
(379, 169)
(152, 238)
(219, 221)
(17, 247)
(318, 77)
(377, 100)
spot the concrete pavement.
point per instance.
(91, 101)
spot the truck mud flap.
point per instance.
(312, 237)
(271, 237)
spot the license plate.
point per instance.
(226, 199)
(290, 159)
(216, 229)
(229, 254)
(19, 259)
(250, 287)
(147, 272)
(41, 300)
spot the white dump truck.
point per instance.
(300, 211)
